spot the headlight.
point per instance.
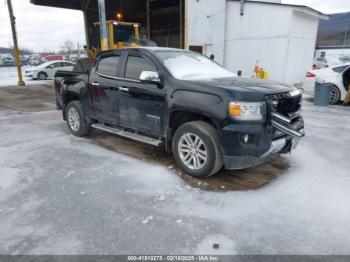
(247, 111)
(295, 92)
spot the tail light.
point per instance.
(308, 74)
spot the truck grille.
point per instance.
(284, 104)
(284, 115)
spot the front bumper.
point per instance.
(269, 141)
(29, 74)
(241, 162)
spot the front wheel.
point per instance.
(42, 76)
(196, 149)
(76, 121)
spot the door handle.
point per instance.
(95, 84)
(123, 89)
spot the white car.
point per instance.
(338, 76)
(47, 70)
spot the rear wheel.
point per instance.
(76, 121)
(196, 149)
(42, 75)
(334, 95)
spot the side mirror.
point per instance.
(151, 77)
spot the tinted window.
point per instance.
(136, 65)
(108, 65)
(339, 69)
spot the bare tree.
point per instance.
(67, 46)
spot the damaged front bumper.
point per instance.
(241, 162)
(283, 139)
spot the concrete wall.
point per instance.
(205, 26)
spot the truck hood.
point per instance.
(248, 85)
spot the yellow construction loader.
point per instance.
(123, 34)
(120, 34)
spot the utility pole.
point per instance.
(103, 24)
(15, 45)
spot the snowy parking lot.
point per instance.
(61, 194)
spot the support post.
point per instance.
(15, 44)
(84, 8)
(182, 17)
(148, 13)
(103, 25)
(242, 7)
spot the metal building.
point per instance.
(238, 33)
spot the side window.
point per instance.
(108, 65)
(136, 65)
(67, 64)
(339, 69)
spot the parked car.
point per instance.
(47, 70)
(8, 62)
(322, 62)
(202, 113)
(344, 59)
(338, 76)
(24, 61)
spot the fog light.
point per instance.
(245, 138)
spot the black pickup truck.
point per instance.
(200, 112)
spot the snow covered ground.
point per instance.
(65, 195)
(9, 77)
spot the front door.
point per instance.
(104, 90)
(142, 105)
(52, 69)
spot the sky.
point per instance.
(40, 28)
(45, 29)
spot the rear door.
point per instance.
(104, 90)
(142, 105)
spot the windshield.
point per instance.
(185, 65)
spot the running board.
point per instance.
(128, 134)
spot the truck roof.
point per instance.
(152, 49)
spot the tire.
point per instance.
(334, 95)
(185, 152)
(76, 121)
(42, 76)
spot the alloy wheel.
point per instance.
(73, 119)
(333, 95)
(192, 151)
